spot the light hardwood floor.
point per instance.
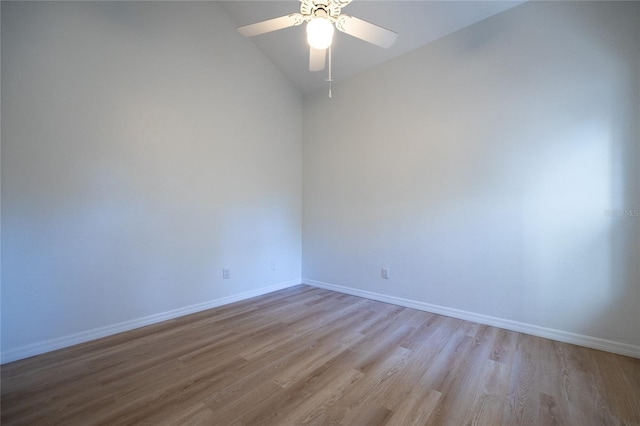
(311, 356)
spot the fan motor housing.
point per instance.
(328, 9)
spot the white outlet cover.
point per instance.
(385, 273)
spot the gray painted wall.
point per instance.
(482, 170)
(145, 146)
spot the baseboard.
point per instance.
(549, 333)
(85, 336)
(534, 330)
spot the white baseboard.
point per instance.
(548, 333)
(85, 336)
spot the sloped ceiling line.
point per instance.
(416, 22)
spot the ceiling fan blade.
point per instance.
(271, 25)
(316, 59)
(366, 31)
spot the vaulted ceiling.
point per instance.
(417, 23)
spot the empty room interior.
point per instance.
(196, 228)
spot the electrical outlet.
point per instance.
(225, 274)
(385, 272)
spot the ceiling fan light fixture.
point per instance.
(319, 33)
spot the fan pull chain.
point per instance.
(329, 79)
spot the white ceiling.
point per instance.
(417, 22)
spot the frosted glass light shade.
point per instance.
(319, 33)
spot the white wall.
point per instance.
(145, 146)
(480, 169)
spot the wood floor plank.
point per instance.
(523, 396)
(416, 407)
(489, 396)
(308, 356)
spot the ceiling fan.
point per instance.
(321, 17)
